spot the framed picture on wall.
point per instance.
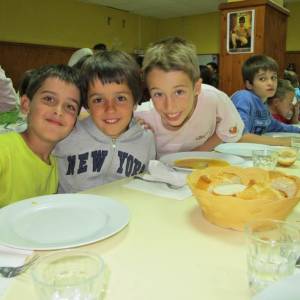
(240, 31)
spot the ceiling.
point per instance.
(164, 8)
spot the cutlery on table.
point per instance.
(171, 186)
(9, 272)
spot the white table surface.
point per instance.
(167, 252)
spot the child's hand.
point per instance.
(144, 124)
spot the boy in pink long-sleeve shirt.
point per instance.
(187, 115)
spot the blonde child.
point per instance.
(109, 144)
(282, 106)
(51, 103)
(187, 115)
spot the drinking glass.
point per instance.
(266, 159)
(273, 247)
(295, 143)
(69, 275)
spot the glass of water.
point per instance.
(69, 275)
(266, 159)
(272, 250)
(295, 143)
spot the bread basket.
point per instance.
(267, 194)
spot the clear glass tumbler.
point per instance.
(295, 143)
(266, 159)
(273, 247)
(69, 275)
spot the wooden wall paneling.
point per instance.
(269, 38)
(230, 64)
(16, 58)
(275, 37)
(259, 29)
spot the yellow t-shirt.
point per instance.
(22, 173)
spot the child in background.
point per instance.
(281, 104)
(292, 77)
(51, 103)
(8, 95)
(260, 77)
(187, 115)
(109, 144)
(78, 54)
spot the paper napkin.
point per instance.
(160, 172)
(11, 257)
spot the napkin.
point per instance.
(11, 257)
(160, 172)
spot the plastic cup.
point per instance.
(69, 275)
(266, 159)
(272, 250)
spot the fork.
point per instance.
(169, 185)
(9, 272)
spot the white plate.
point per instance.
(282, 134)
(170, 159)
(243, 149)
(60, 221)
(285, 289)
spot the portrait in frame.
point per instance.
(240, 31)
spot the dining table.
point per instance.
(168, 251)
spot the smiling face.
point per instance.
(264, 84)
(174, 96)
(111, 106)
(52, 112)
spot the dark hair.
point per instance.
(242, 19)
(100, 47)
(205, 74)
(24, 82)
(283, 87)
(208, 76)
(256, 63)
(111, 66)
(63, 72)
(292, 77)
(214, 66)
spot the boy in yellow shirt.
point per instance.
(52, 102)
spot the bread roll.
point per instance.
(287, 157)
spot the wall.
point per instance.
(48, 22)
(293, 40)
(203, 30)
(73, 24)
